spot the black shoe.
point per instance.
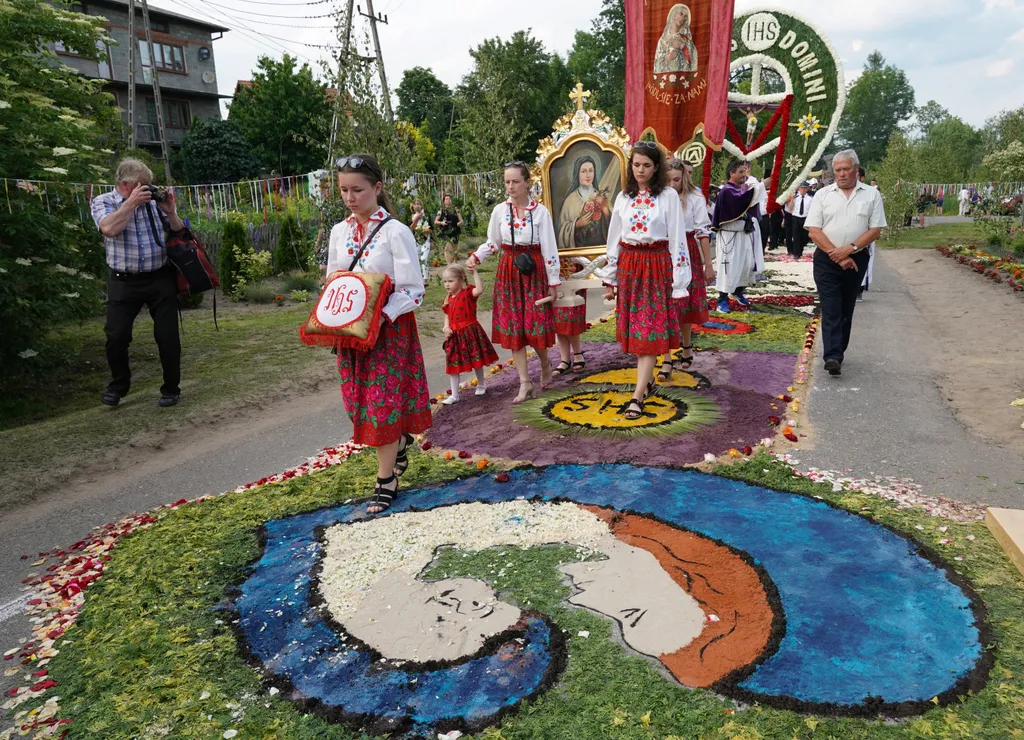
(834, 367)
(110, 398)
(169, 399)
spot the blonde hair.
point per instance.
(133, 170)
(459, 271)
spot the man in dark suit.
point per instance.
(796, 213)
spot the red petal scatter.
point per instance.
(792, 437)
(774, 421)
(463, 454)
(748, 450)
(426, 445)
(502, 477)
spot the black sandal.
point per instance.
(383, 497)
(665, 375)
(649, 390)
(579, 366)
(402, 458)
(559, 371)
(686, 362)
(630, 413)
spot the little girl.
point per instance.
(466, 346)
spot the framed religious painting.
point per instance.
(582, 168)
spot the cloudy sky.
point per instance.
(966, 54)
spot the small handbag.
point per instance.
(523, 261)
(347, 315)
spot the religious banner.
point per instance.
(677, 72)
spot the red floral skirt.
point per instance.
(694, 308)
(517, 321)
(467, 349)
(571, 322)
(644, 323)
(385, 390)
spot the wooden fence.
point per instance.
(263, 237)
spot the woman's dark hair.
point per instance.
(521, 166)
(654, 154)
(367, 166)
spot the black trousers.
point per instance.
(837, 292)
(798, 237)
(765, 222)
(777, 235)
(127, 293)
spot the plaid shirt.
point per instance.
(138, 248)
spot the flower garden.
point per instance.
(549, 571)
(1008, 270)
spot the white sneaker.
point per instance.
(481, 390)
(450, 400)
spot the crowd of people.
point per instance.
(658, 272)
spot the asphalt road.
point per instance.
(887, 416)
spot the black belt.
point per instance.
(119, 275)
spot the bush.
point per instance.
(299, 296)
(1018, 246)
(257, 293)
(229, 269)
(302, 281)
(195, 300)
(996, 241)
(293, 249)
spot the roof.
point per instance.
(159, 12)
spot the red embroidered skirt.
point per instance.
(694, 308)
(517, 321)
(467, 349)
(644, 322)
(385, 390)
(571, 322)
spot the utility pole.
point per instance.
(133, 49)
(156, 91)
(374, 20)
(346, 45)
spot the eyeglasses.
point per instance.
(353, 162)
(517, 163)
(646, 145)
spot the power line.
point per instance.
(266, 15)
(288, 5)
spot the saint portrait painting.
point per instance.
(676, 50)
(584, 184)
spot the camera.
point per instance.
(158, 193)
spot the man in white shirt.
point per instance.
(965, 201)
(797, 211)
(845, 218)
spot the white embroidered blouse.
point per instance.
(646, 219)
(536, 228)
(392, 251)
(697, 217)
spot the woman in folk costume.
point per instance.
(528, 271)
(694, 308)
(738, 254)
(384, 389)
(648, 265)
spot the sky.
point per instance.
(966, 54)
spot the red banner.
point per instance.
(677, 70)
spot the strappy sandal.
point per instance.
(685, 362)
(561, 369)
(648, 390)
(383, 497)
(579, 366)
(402, 458)
(665, 375)
(631, 413)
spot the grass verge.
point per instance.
(928, 237)
(151, 655)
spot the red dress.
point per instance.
(694, 308)
(468, 348)
(518, 321)
(645, 323)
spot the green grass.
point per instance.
(930, 236)
(777, 329)
(53, 424)
(149, 641)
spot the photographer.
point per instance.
(133, 220)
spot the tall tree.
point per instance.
(216, 151)
(285, 115)
(897, 176)
(492, 129)
(1003, 129)
(950, 152)
(928, 115)
(876, 104)
(425, 101)
(1007, 164)
(598, 59)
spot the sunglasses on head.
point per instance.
(517, 163)
(646, 145)
(352, 162)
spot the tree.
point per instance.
(284, 114)
(228, 267)
(1008, 164)
(897, 176)
(876, 104)
(292, 250)
(216, 151)
(1003, 129)
(424, 154)
(492, 129)
(54, 125)
(928, 115)
(951, 151)
(426, 102)
(598, 59)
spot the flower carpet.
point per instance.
(549, 571)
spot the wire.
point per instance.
(288, 25)
(289, 5)
(267, 15)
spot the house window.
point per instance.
(102, 57)
(166, 57)
(159, 26)
(177, 113)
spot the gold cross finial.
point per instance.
(580, 95)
